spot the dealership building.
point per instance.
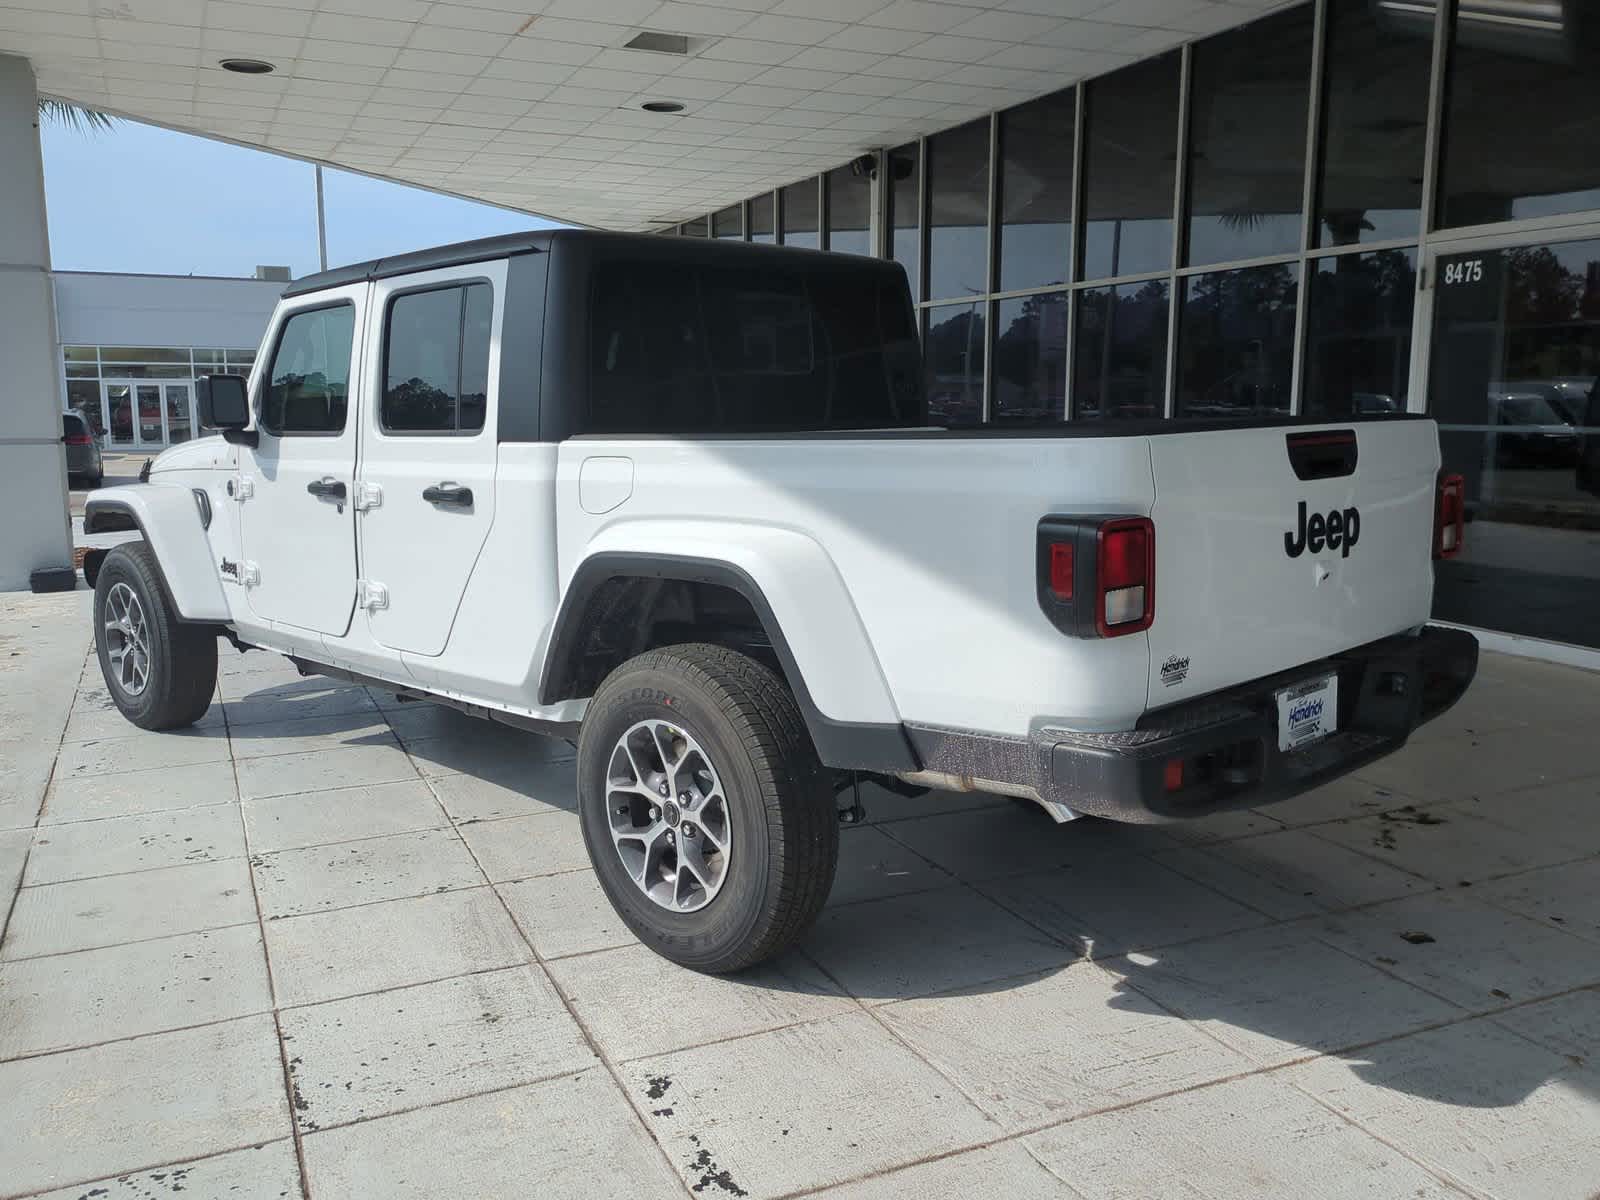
(1107, 209)
(132, 346)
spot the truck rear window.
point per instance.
(689, 348)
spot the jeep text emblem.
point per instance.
(1334, 530)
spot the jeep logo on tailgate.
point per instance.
(1333, 530)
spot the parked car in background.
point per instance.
(83, 452)
(1536, 434)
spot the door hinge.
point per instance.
(371, 596)
(368, 495)
(241, 489)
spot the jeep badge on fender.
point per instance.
(1334, 530)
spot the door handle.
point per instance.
(327, 488)
(448, 493)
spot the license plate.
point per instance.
(1308, 712)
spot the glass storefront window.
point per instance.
(1236, 342)
(952, 355)
(143, 354)
(958, 211)
(800, 215)
(1358, 335)
(83, 371)
(1121, 351)
(1374, 125)
(83, 397)
(240, 360)
(208, 360)
(86, 354)
(849, 211)
(1522, 114)
(1030, 359)
(1036, 192)
(728, 225)
(1249, 95)
(1129, 156)
(761, 218)
(905, 182)
(1515, 387)
(695, 228)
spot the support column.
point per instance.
(35, 530)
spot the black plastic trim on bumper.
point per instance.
(1229, 740)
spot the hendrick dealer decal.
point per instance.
(1175, 670)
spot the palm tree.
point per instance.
(73, 116)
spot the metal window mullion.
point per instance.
(991, 266)
(1074, 236)
(1308, 199)
(924, 235)
(824, 222)
(1433, 150)
(879, 236)
(1180, 191)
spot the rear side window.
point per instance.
(72, 424)
(684, 348)
(308, 381)
(436, 360)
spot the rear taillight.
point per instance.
(1061, 570)
(1126, 585)
(1096, 575)
(78, 439)
(1450, 519)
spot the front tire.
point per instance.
(705, 810)
(161, 673)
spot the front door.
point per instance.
(178, 408)
(1513, 378)
(134, 416)
(296, 519)
(428, 448)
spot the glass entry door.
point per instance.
(179, 406)
(1514, 382)
(138, 411)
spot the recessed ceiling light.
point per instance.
(662, 106)
(246, 66)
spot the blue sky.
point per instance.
(138, 198)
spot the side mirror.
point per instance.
(223, 402)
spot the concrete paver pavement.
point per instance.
(331, 944)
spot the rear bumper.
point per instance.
(1228, 742)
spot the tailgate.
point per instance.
(1247, 582)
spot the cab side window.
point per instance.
(436, 360)
(308, 383)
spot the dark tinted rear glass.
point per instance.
(73, 423)
(677, 348)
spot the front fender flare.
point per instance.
(168, 517)
(805, 611)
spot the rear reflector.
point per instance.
(78, 439)
(1126, 576)
(1174, 775)
(1061, 570)
(1450, 523)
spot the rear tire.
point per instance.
(161, 672)
(734, 737)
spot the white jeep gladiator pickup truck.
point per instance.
(680, 501)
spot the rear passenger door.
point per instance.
(425, 479)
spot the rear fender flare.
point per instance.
(804, 608)
(168, 517)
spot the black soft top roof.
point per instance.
(652, 246)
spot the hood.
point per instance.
(202, 454)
